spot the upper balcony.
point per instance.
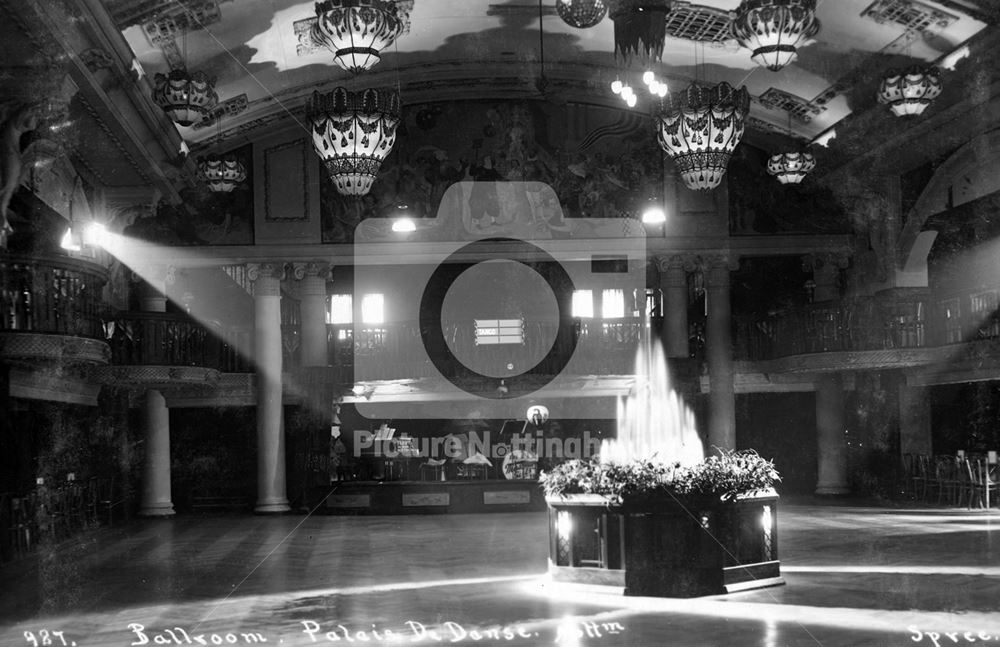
(159, 348)
(50, 310)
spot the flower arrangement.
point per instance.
(726, 476)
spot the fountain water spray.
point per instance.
(654, 424)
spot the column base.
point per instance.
(826, 490)
(157, 510)
(272, 507)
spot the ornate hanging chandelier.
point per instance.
(791, 168)
(774, 29)
(186, 98)
(353, 132)
(357, 30)
(581, 14)
(640, 27)
(223, 174)
(910, 92)
(700, 127)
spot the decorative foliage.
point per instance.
(581, 14)
(774, 29)
(186, 98)
(727, 475)
(700, 127)
(353, 133)
(640, 27)
(911, 91)
(791, 168)
(357, 30)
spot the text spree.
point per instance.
(941, 638)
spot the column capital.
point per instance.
(270, 270)
(311, 269)
(685, 262)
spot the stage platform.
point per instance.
(433, 497)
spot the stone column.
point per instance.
(271, 495)
(719, 352)
(156, 494)
(156, 469)
(831, 444)
(673, 282)
(312, 290)
(914, 420)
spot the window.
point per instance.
(613, 304)
(583, 303)
(341, 309)
(373, 309)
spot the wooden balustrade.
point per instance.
(168, 339)
(396, 350)
(862, 324)
(51, 294)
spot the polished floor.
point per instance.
(855, 576)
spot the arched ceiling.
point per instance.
(491, 49)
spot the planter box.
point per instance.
(656, 546)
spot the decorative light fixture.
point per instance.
(222, 174)
(581, 14)
(791, 168)
(353, 132)
(640, 27)
(700, 127)
(357, 30)
(774, 29)
(185, 97)
(909, 92)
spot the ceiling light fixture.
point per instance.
(775, 29)
(353, 132)
(699, 128)
(640, 28)
(357, 30)
(186, 98)
(791, 168)
(581, 14)
(222, 173)
(909, 92)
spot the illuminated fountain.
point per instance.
(653, 422)
(651, 515)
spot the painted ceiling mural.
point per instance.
(601, 163)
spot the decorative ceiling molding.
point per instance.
(699, 23)
(913, 15)
(228, 108)
(174, 20)
(800, 109)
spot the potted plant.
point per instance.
(654, 528)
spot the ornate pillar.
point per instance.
(831, 444)
(312, 290)
(719, 352)
(825, 269)
(271, 494)
(156, 494)
(673, 282)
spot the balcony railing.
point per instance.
(852, 325)
(167, 339)
(50, 294)
(396, 350)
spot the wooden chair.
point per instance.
(982, 487)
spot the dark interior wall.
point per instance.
(781, 427)
(965, 417)
(213, 452)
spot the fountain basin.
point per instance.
(663, 546)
